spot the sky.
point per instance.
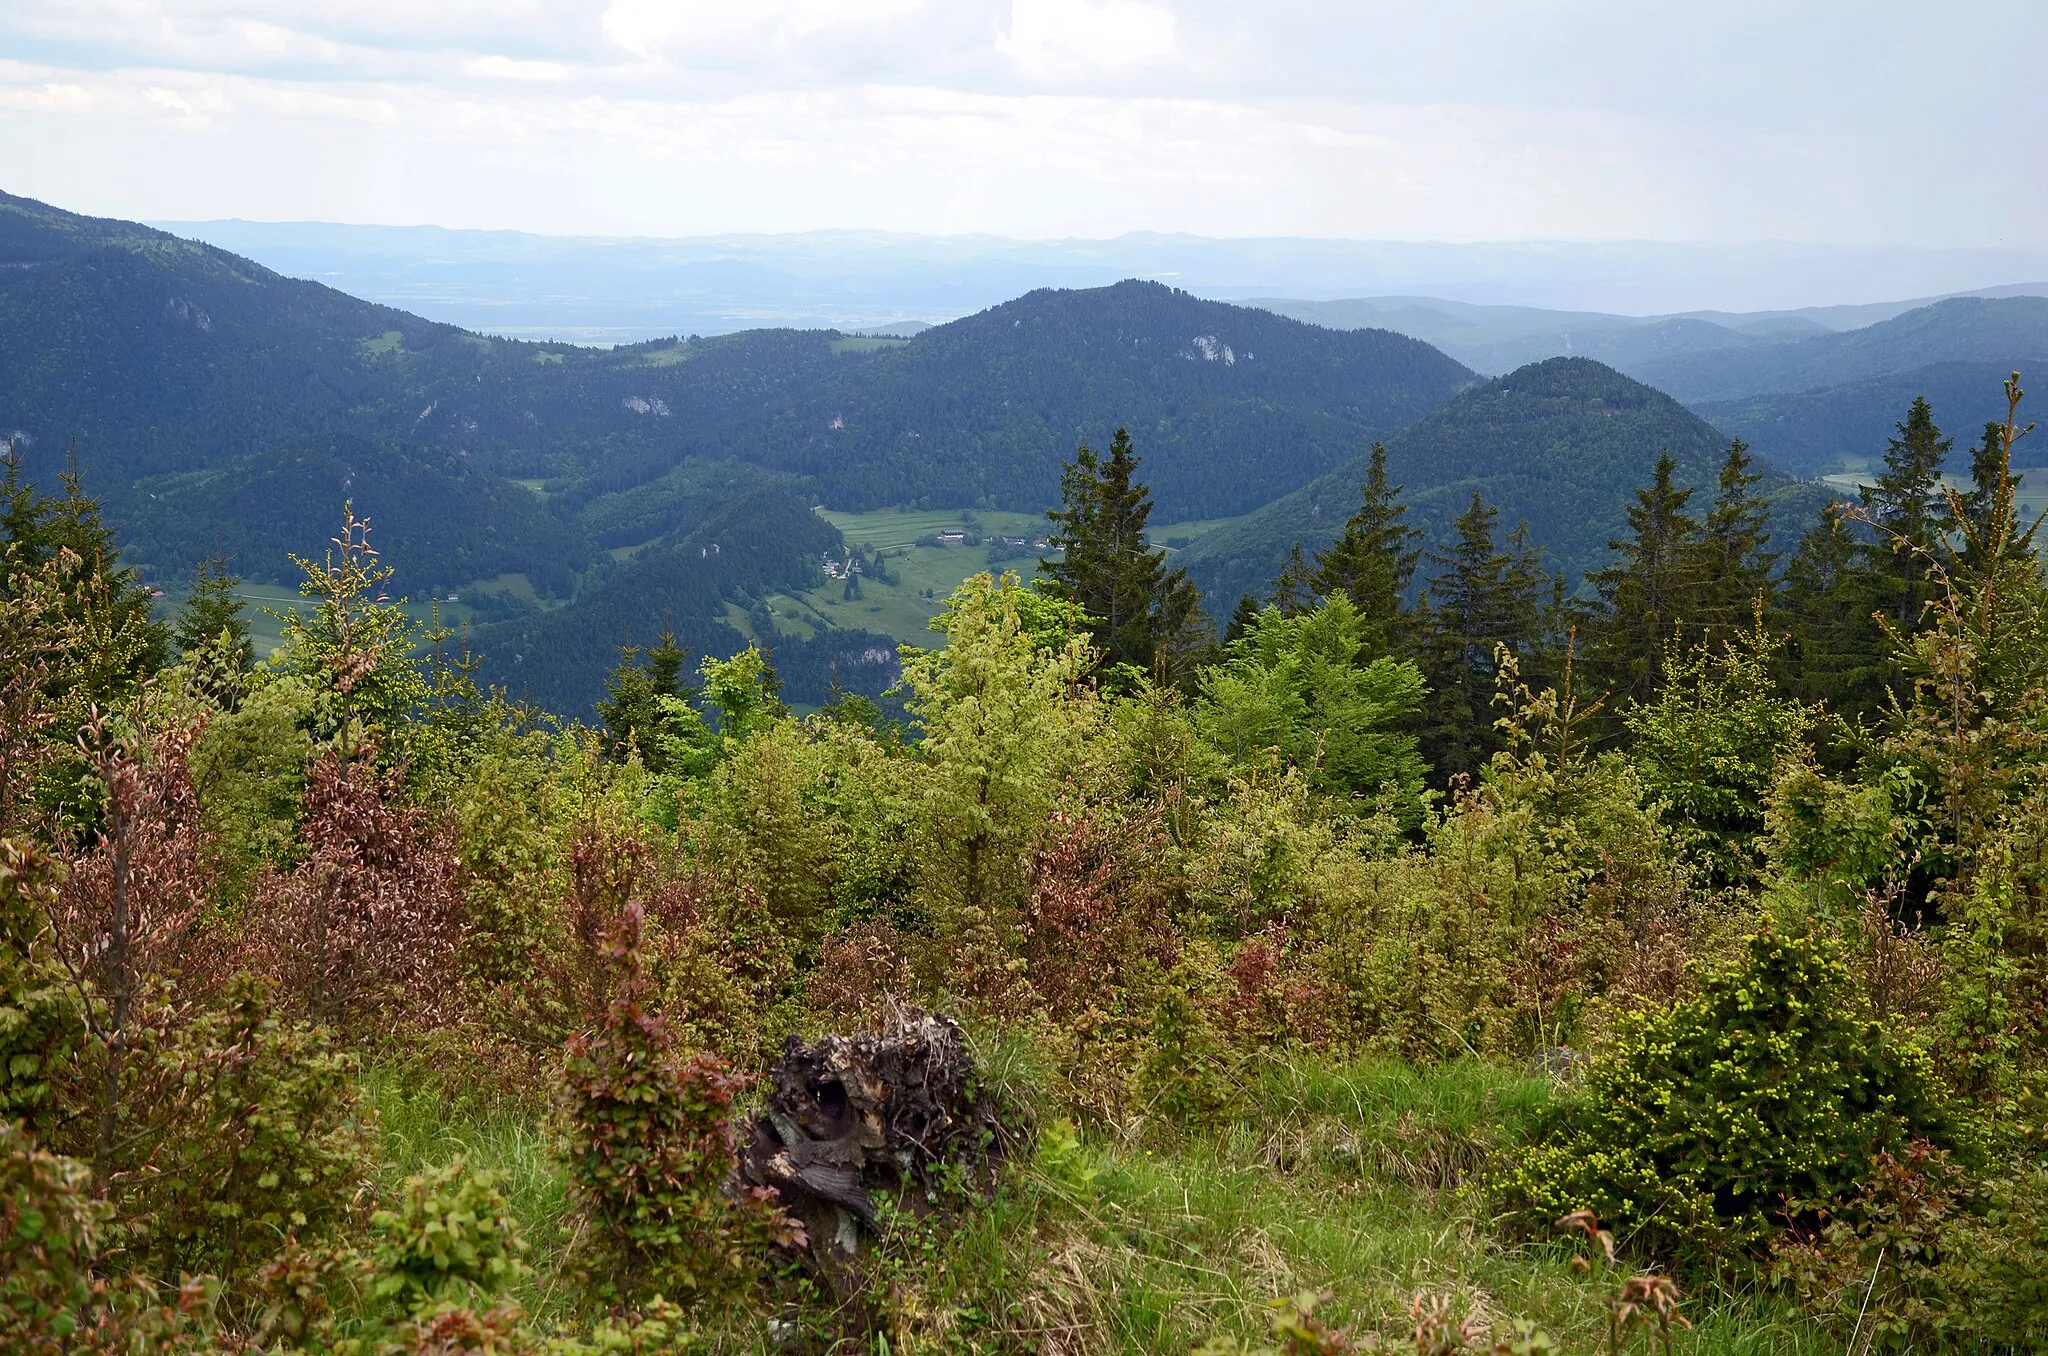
(1734, 120)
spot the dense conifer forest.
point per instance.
(1432, 956)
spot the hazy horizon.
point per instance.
(623, 289)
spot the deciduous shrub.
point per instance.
(368, 929)
(51, 1299)
(40, 1020)
(1705, 1121)
(262, 1137)
(651, 1153)
(47, 1223)
(449, 1233)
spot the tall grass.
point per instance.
(1363, 1179)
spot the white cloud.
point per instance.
(1063, 39)
(729, 28)
(1460, 119)
(494, 67)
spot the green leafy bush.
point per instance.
(53, 1297)
(264, 1138)
(47, 1223)
(451, 1231)
(1706, 1121)
(40, 1017)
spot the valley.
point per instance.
(576, 498)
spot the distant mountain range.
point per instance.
(1814, 391)
(595, 495)
(627, 290)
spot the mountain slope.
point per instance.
(215, 403)
(442, 521)
(1812, 433)
(757, 542)
(1226, 403)
(1559, 444)
(1998, 334)
(1500, 338)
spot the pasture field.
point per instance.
(267, 632)
(925, 571)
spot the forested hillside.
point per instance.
(1838, 428)
(1555, 445)
(1658, 969)
(1996, 334)
(1230, 403)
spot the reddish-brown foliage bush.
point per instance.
(134, 895)
(1274, 998)
(368, 928)
(652, 1153)
(861, 973)
(1091, 920)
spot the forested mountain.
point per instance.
(161, 357)
(1227, 403)
(1496, 339)
(761, 539)
(214, 405)
(456, 521)
(1995, 333)
(1558, 444)
(1813, 433)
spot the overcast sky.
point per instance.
(1731, 120)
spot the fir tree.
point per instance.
(1294, 591)
(1648, 592)
(1838, 653)
(1373, 562)
(1732, 564)
(213, 609)
(1241, 620)
(1904, 509)
(633, 710)
(1140, 614)
(1483, 596)
(1972, 518)
(119, 640)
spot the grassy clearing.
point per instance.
(422, 1128)
(1164, 535)
(388, 342)
(918, 563)
(910, 538)
(1359, 1179)
(679, 352)
(866, 343)
(266, 632)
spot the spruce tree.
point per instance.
(1904, 510)
(1483, 596)
(1241, 619)
(119, 641)
(1373, 562)
(1647, 594)
(1838, 653)
(1982, 514)
(632, 708)
(213, 609)
(1732, 562)
(1140, 614)
(1294, 590)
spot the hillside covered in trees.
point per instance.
(1437, 960)
(1546, 444)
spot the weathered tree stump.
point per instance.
(854, 1124)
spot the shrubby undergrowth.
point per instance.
(348, 1008)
